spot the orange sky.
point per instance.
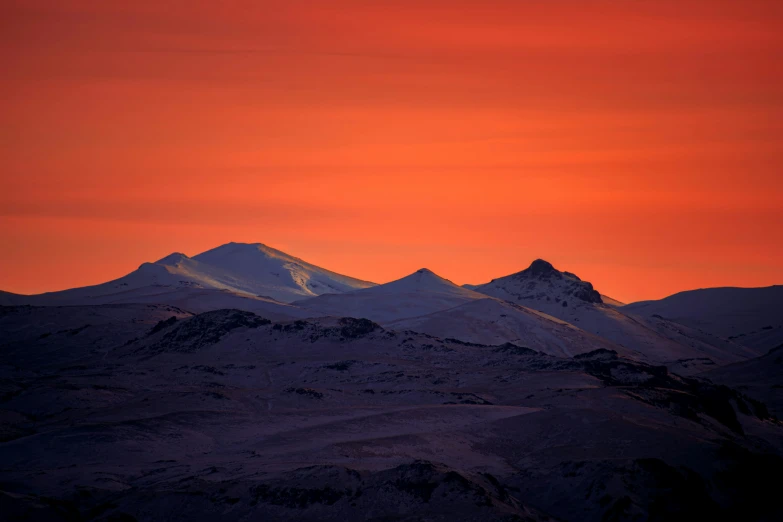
(637, 143)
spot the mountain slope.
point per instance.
(494, 321)
(752, 317)
(610, 301)
(760, 378)
(11, 299)
(420, 293)
(567, 297)
(234, 275)
(261, 270)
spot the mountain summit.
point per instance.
(541, 282)
(422, 292)
(248, 270)
(422, 280)
(541, 267)
(258, 269)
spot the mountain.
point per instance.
(261, 270)
(494, 321)
(565, 296)
(752, 317)
(420, 293)
(236, 275)
(542, 283)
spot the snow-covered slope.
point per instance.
(567, 297)
(610, 301)
(420, 293)
(760, 378)
(752, 317)
(235, 275)
(261, 270)
(494, 321)
(198, 300)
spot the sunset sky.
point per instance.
(636, 143)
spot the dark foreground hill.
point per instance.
(142, 412)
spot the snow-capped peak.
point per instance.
(172, 259)
(543, 282)
(252, 270)
(420, 293)
(259, 269)
(422, 280)
(234, 249)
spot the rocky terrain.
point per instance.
(149, 412)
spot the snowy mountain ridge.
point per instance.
(276, 285)
(247, 270)
(565, 296)
(420, 293)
